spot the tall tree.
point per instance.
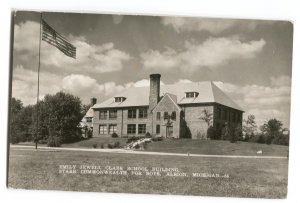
(16, 106)
(249, 127)
(271, 129)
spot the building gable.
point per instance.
(168, 103)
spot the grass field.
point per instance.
(211, 147)
(260, 178)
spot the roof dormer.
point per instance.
(120, 99)
(191, 94)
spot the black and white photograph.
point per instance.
(150, 104)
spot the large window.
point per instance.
(166, 115)
(103, 115)
(142, 128)
(132, 113)
(112, 128)
(157, 129)
(131, 129)
(173, 116)
(102, 129)
(142, 113)
(158, 116)
(112, 114)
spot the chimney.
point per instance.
(154, 90)
(93, 101)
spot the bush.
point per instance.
(132, 139)
(95, 146)
(281, 140)
(117, 144)
(102, 146)
(137, 146)
(114, 135)
(54, 141)
(90, 133)
(110, 146)
(211, 133)
(157, 139)
(148, 135)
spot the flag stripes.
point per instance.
(54, 38)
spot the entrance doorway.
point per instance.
(169, 131)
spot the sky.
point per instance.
(250, 60)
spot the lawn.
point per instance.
(261, 178)
(216, 147)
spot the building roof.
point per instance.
(139, 96)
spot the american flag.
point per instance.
(54, 38)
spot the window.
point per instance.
(166, 115)
(120, 99)
(142, 128)
(218, 113)
(132, 113)
(191, 94)
(112, 128)
(225, 114)
(142, 113)
(89, 119)
(131, 129)
(157, 129)
(112, 114)
(102, 129)
(103, 115)
(173, 116)
(158, 116)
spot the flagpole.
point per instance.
(38, 87)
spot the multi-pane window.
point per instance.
(142, 113)
(112, 128)
(132, 113)
(166, 115)
(102, 129)
(191, 94)
(142, 128)
(119, 99)
(157, 129)
(103, 115)
(131, 129)
(158, 116)
(112, 114)
(173, 116)
(89, 119)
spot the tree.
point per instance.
(60, 114)
(271, 129)
(16, 106)
(207, 117)
(249, 127)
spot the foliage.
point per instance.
(236, 134)
(185, 131)
(249, 127)
(95, 145)
(211, 133)
(226, 132)
(206, 116)
(132, 139)
(114, 135)
(148, 135)
(117, 144)
(271, 130)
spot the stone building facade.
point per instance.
(171, 111)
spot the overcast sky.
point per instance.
(249, 59)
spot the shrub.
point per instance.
(114, 135)
(54, 141)
(281, 139)
(90, 133)
(211, 133)
(110, 146)
(132, 139)
(157, 138)
(102, 146)
(117, 144)
(148, 135)
(95, 146)
(137, 146)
